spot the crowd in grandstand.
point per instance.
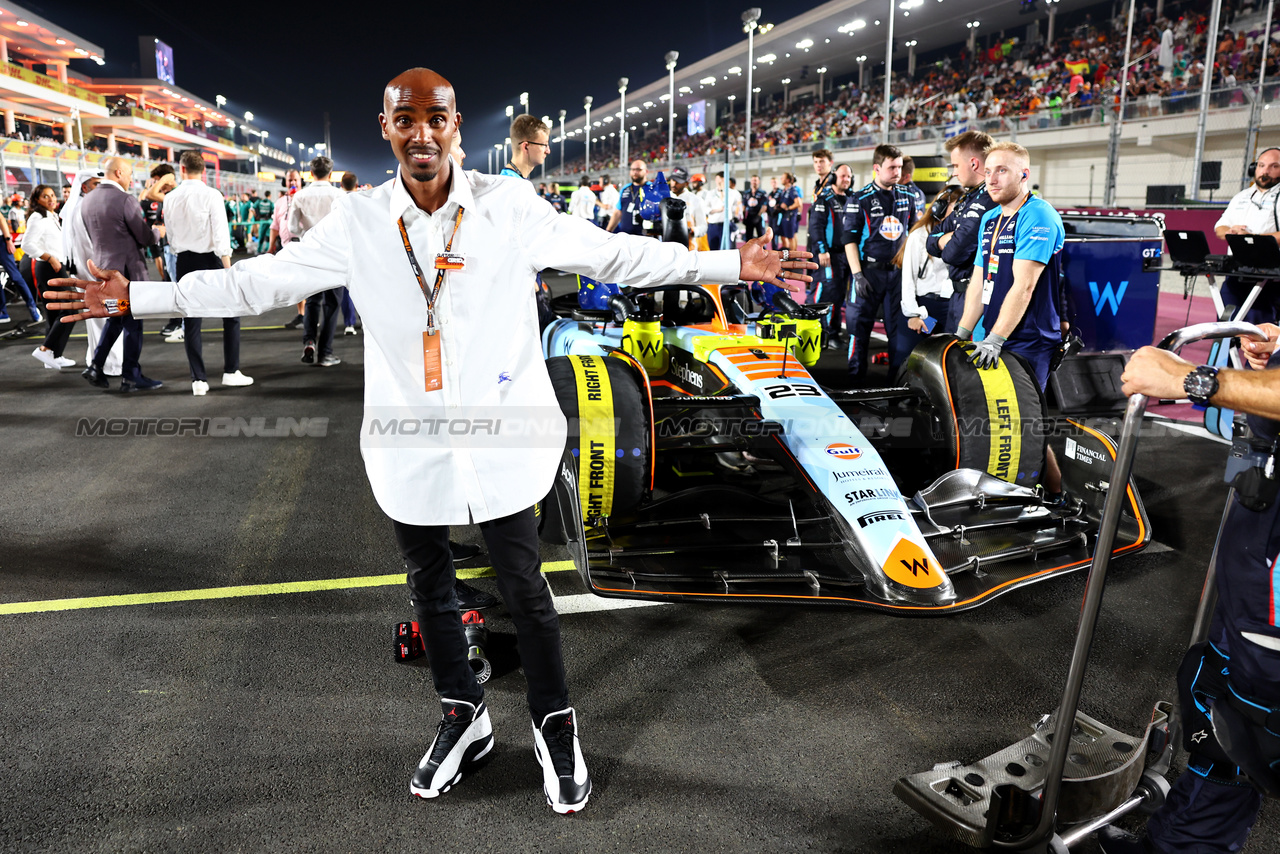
(1068, 81)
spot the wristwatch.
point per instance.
(1201, 384)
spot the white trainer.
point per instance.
(177, 336)
(65, 362)
(565, 780)
(236, 379)
(463, 736)
(199, 388)
(46, 356)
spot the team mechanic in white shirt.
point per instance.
(492, 234)
(1255, 210)
(195, 221)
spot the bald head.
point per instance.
(420, 119)
(417, 82)
(119, 170)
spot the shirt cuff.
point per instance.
(719, 265)
(153, 299)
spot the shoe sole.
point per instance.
(562, 809)
(466, 760)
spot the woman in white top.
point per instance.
(926, 285)
(42, 248)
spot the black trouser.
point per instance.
(956, 310)
(513, 547)
(59, 333)
(836, 290)
(192, 340)
(752, 227)
(318, 328)
(884, 294)
(132, 329)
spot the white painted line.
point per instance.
(585, 603)
(1189, 429)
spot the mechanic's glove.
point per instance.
(964, 334)
(861, 286)
(987, 353)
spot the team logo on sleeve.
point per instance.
(891, 228)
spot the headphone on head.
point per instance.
(1253, 167)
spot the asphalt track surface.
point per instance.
(275, 719)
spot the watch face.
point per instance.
(1199, 385)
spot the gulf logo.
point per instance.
(844, 451)
(890, 228)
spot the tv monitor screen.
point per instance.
(164, 62)
(697, 118)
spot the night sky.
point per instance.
(287, 63)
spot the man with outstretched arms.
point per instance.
(955, 241)
(430, 256)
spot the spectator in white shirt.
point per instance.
(609, 197)
(195, 219)
(583, 202)
(926, 283)
(425, 483)
(1255, 210)
(42, 247)
(310, 205)
(714, 201)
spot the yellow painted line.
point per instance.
(240, 591)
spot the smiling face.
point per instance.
(419, 119)
(47, 199)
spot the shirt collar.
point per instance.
(111, 183)
(459, 194)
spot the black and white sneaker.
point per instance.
(464, 735)
(564, 772)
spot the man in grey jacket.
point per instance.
(114, 221)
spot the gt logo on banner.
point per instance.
(1107, 297)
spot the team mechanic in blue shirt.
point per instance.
(1017, 265)
(876, 222)
(826, 242)
(626, 219)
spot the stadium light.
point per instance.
(822, 83)
(248, 116)
(586, 105)
(804, 44)
(670, 98)
(563, 113)
(861, 77)
(749, 19)
(622, 108)
(221, 101)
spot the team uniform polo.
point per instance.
(754, 205)
(630, 198)
(826, 234)
(788, 219)
(876, 221)
(1033, 233)
(962, 224)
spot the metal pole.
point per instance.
(672, 56)
(562, 113)
(587, 128)
(1255, 113)
(1113, 143)
(751, 59)
(888, 73)
(1202, 122)
(622, 129)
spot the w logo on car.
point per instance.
(1107, 297)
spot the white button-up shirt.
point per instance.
(43, 234)
(422, 471)
(583, 203)
(195, 219)
(1255, 209)
(310, 205)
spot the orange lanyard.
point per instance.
(417, 269)
(1000, 225)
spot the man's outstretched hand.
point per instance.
(762, 264)
(106, 296)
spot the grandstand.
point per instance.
(1054, 92)
(57, 121)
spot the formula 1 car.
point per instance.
(705, 463)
